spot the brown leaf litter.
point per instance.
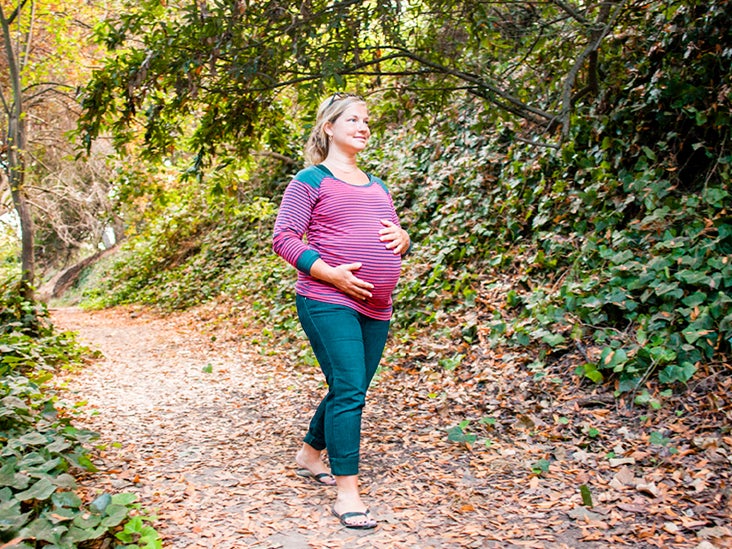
(203, 423)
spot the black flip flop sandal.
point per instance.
(320, 478)
(355, 526)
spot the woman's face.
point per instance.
(350, 132)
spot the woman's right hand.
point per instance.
(343, 278)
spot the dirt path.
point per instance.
(205, 451)
(211, 453)
(204, 430)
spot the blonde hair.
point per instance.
(316, 148)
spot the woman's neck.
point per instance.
(341, 162)
(346, 169)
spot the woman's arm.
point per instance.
(292, 222)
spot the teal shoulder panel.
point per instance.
(380, 182)
(312, 175)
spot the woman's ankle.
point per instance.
(307, 454)
(348, 497)
(311, 459)
(349, 503)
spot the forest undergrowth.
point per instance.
(476, 452)
(655, 453)
(44, 451)
(569, 296)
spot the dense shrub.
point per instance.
(41, 450)
(615, 241)
(29, 342)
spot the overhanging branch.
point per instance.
(605, 22)
(577, 16)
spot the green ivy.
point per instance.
(618, 239)
(41, 450)
(189, 259)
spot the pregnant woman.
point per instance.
(337, 226)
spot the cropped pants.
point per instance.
(348, 346)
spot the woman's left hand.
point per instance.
(395, 237)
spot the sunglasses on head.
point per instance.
(342, 95)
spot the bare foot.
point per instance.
(309, 459)
(353, 515)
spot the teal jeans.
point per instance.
(348, 346)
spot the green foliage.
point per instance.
(459, 434)
(221, 76)
(540, 467)
(612, 240)
(9, 251)
(28, 342)
(617, 240)
(214, 67)
(41, 450)
(586, 496)
(462, 433)
(20, 315)
(644, 188)
(195, 256)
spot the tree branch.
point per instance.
(52, 88)
(511, 102)
(276, 155)
(536, 143)
(29, 38)
(605, 21)
(572, 12)
(16, 11)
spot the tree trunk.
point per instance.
(28, 264)
(15, 162)
(16, 175)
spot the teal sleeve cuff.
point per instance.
(306, 260)
(409, 250)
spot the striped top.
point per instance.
(341, 223)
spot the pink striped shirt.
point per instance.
(341, 223)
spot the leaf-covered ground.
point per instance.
(204, 426)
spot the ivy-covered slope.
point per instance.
(42, 453)
(617, 241)
(614, 243)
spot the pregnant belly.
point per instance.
(380, 268)
(384, 281)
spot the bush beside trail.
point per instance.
(42, 452)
